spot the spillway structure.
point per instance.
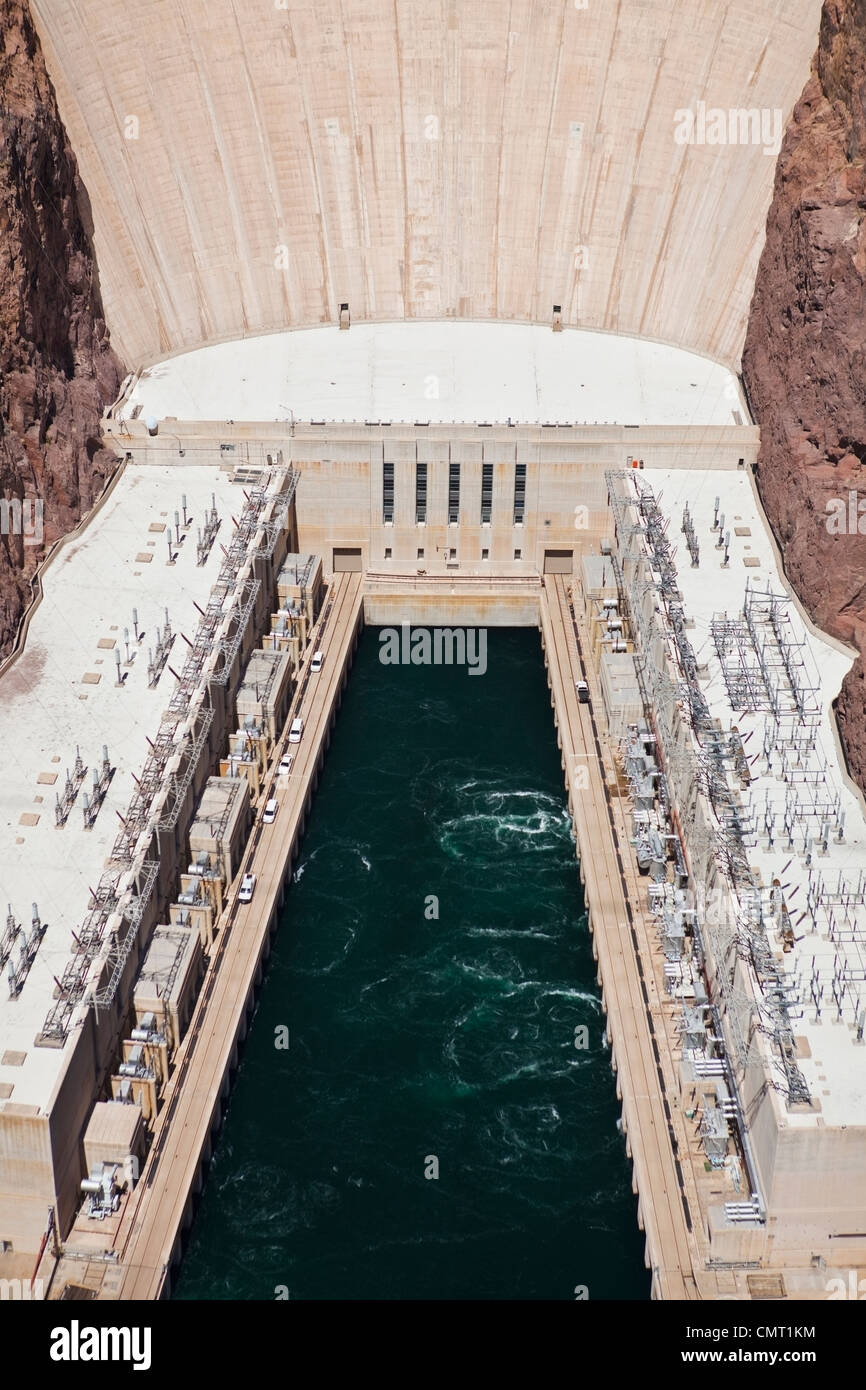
(433, 317)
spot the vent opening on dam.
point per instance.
(416, 1114)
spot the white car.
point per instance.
(248, 887)
(270, 811)
(286, 764)
(316, 663)
(296, 730)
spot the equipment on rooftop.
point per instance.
(102, 1191)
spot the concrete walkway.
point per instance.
(629, 993)
(149, 1231)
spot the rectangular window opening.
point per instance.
(486, 493)
(453, 494)
(420, 493)
(388, 494)
(519, 493)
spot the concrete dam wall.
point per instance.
(252, 167)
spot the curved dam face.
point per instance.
(254, 167)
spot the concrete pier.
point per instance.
(149, 1239)
(148, 1236)
(629, 993)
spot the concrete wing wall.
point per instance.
(422, 159)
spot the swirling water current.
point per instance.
(433, 968)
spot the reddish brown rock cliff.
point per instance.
(57, 369)
(804, 362)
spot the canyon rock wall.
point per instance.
(57, 368)
(804, 361)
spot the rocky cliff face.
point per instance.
(57, 369)
(804, 362)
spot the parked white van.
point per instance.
(296, 730)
